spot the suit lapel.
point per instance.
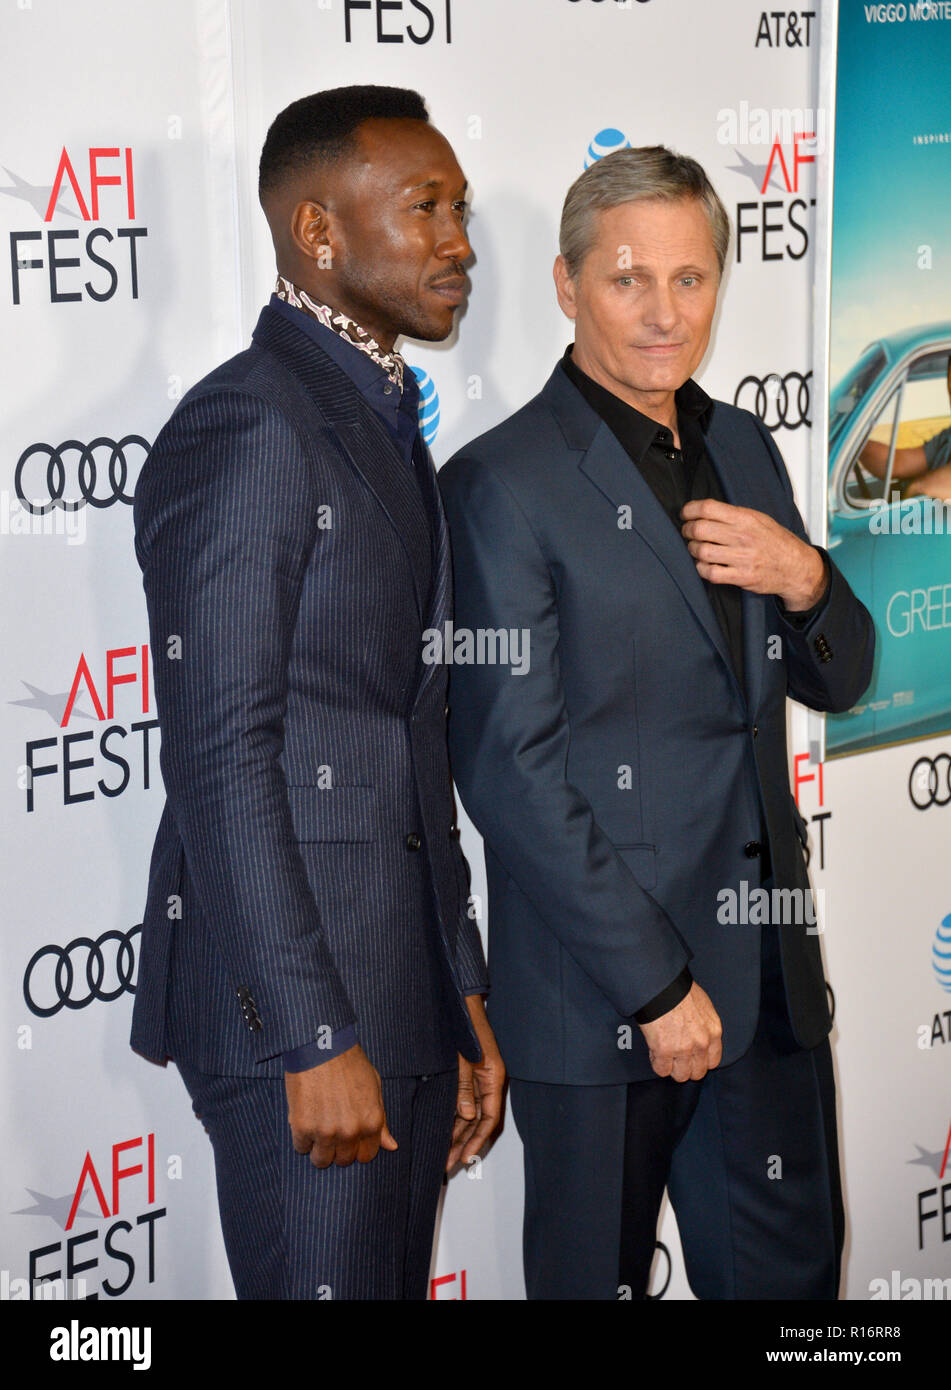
(365, 439)
(440, 603)
(740, 491)
(376, 457)
(606, 464)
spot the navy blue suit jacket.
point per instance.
(306, 872)
(618, 782)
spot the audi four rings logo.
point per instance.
(72, 976)
(41, 473)
(929, 782)
(779, 401)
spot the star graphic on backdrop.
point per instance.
(756, 172)
(54, 704)
(927, 1159)
(35, 194)
(57, 1208)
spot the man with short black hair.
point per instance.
(633, 783)
(308, 958)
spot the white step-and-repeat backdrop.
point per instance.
(136, 258)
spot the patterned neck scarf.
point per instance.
(351, 332)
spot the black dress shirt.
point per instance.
(676, 476)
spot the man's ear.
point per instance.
(312, 233)
(565, 288)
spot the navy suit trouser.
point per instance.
(293, 1231)
(749, 1156)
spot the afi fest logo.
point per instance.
(446, 1288)
(65, 262)
(776, 226)
(818, 818)
(119, 1189)
(934, 1203)
(395, 21)
(78, 764)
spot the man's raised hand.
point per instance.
(737, 545)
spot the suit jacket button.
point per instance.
(752, 849)
(756, 731)
(413, 841)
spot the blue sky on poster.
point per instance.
(892, 194)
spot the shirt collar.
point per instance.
(345, 327)
(399, 411)
(691, 401)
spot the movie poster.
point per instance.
(888, 464)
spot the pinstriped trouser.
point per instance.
(293, 1231)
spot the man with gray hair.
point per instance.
(635, 778)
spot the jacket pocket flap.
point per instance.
(642, 862)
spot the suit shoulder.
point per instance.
(252, 372)
(504, 450)
(245, 388)
(733, 423)
(234, 415)
(734, 420)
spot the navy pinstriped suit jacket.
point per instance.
(289, 574)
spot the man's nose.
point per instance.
(659, 308)
(453, 244)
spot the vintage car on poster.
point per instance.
(889, 503)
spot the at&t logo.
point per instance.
(785, 28)
(428, 405)
(606, 141)
(941, 954)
